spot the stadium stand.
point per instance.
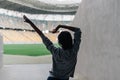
(19, 37)
(15, 31)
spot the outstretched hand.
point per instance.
(55, 30)
(26, 19)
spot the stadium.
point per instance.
(20, 44)
(45, 14)
(23, 56)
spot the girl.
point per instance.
(65, 57)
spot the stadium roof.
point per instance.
(41, 6)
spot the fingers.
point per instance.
(26, 19)
(54, 31)
(50, 32)
(23, 16)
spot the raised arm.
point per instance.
(49, 45)
(33, 25)
(66, 27)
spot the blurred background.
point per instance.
(21, 44)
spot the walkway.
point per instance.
(25, 68)
(25, 72)
(16, 59)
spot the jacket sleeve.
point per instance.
(77, 40)
(49, 45)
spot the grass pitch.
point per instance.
(26, 49)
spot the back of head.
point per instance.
(65, 39)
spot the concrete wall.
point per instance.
(99, 55)
(1, 51)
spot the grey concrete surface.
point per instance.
(25, 72)
(99, 55)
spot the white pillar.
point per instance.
(99, 55)
(1, 51)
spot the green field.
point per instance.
(26, 49)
